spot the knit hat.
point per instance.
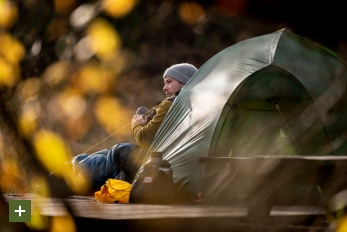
(181, 72)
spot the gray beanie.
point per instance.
(181, 72)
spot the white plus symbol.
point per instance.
(19, 211)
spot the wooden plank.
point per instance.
(88, 213)
(89, 207)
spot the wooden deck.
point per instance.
(216, 213)
(91, 214)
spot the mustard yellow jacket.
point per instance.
(144, 134)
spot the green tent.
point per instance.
(276, 94)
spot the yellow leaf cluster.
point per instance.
(112, 115)
(91, 78)
(28, 121)
(11, 53)
(118, 8)
(11, 49)
(38, 220)
(104, 40)
(9, 74)
(8, 14)
(52, 151)
(342, 225)
(73, 107)
(63, 223)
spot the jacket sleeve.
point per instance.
(144, 134)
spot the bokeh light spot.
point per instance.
(8, 14)
(83, 52)
(92, 78)
(118, 8)
(112, 115)
(29, 118)
(9, 174)
(9, 74)
(191, 13)
(342, 225)
(39, 222)
(103, 39)
(74, 109)
(56, 73)
(64, 6)
(82, 15)
(11, 49)
(30, 88)
(63, 223)
(73, 105)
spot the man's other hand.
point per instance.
(139, 119)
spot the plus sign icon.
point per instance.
(19, 210)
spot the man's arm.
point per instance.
(144, 131)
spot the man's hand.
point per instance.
(139, 119)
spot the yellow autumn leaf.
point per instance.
(52, 151)
(11, 49)
(39, 221)
(28, 120)
(8, 14)
(63, 223)
(9, 73)
(118, 8)
(103, 39)
(342, 225)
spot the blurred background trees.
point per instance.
(72, 72)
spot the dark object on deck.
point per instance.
(154, 184)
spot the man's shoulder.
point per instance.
(165, 104)
(167, 101)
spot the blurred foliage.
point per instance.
(72, 72)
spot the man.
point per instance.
(145, 127)
(127, 158)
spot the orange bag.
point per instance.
(114, 191)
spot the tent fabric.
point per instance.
(276, 94)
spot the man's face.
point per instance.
(171, 86)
